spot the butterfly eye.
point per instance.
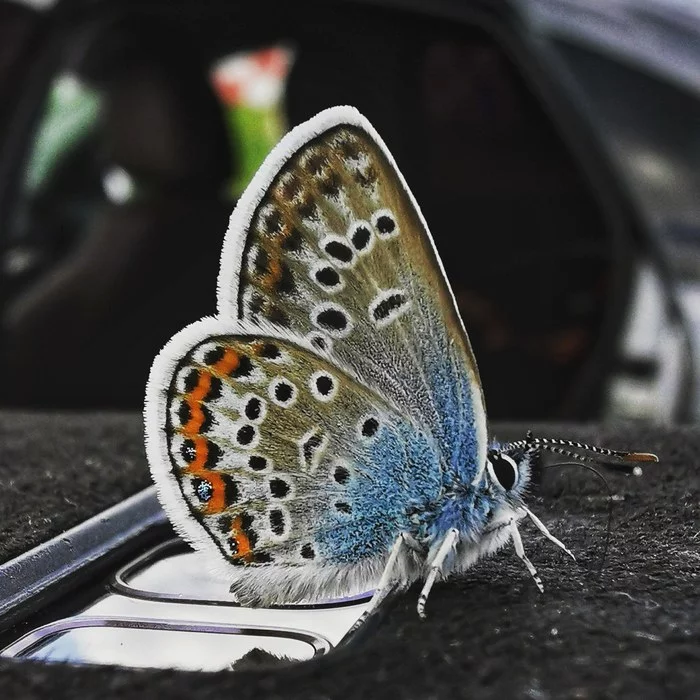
(502, 469)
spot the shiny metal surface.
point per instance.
(151, 577)
(164, 609)
(159, 643)
(30, 574)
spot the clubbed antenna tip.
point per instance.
(640, 457)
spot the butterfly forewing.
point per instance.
(275, 450)
(336, 251)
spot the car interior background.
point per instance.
(134, 141)
(129, 129)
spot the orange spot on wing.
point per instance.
(202, 388)
(229, 362)
(244, 550)
(274, 274)
(194, 399)
(201, 451)
(217, 502)
(194, 424)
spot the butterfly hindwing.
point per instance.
(282, 457)
(328, 243)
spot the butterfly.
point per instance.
(325, 432)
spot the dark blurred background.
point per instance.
(554, 147)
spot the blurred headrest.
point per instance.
(162, 121)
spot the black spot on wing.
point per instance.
(341, 475)
(279, 488)
(214, 355)
(307, 551)
(257, 301)
(284, 392)
(332, 320)
(257, 463)
(202, 489)
(245, 367)
(286, 284)
(324, 385)
(277, 523)
(188, 450)
(270, 351)
(245, 435)
(231, 490)
(273, 222)
(261, 261)
(361, 237)
(386, 224)
(316, 163)
(214, 392)
(369, 427)
(184, 413)
(293, 241)
(319, 342)
(208, 419)
(291, 187)
(253, 408)
(330, 184)
(327, 276)
(277, 316)
(384, 308)
(191, 380)
(307, 208)
(367, 177)
(339, 251)
(310, 446)
(213, 455)
(350, 148)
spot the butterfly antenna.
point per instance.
(608, 528)
(630, 460)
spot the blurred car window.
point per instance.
(155, 119)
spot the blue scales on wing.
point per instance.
(275, 451)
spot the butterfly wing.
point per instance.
(329, 243)
(267, 454)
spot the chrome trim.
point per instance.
(29, 574)
(25, 644)
(120, 584)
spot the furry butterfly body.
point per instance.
(325, 432)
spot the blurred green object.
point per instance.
(254, 131)
(70, 114)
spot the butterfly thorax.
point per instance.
(464, 507)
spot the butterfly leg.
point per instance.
(543, 529)
(520, 551)
(435, 566)
(386, 584)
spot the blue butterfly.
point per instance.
(325, 432)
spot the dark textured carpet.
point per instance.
(632, 631)
(56, 471)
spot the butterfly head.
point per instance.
(509, 470)
(512, 467)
